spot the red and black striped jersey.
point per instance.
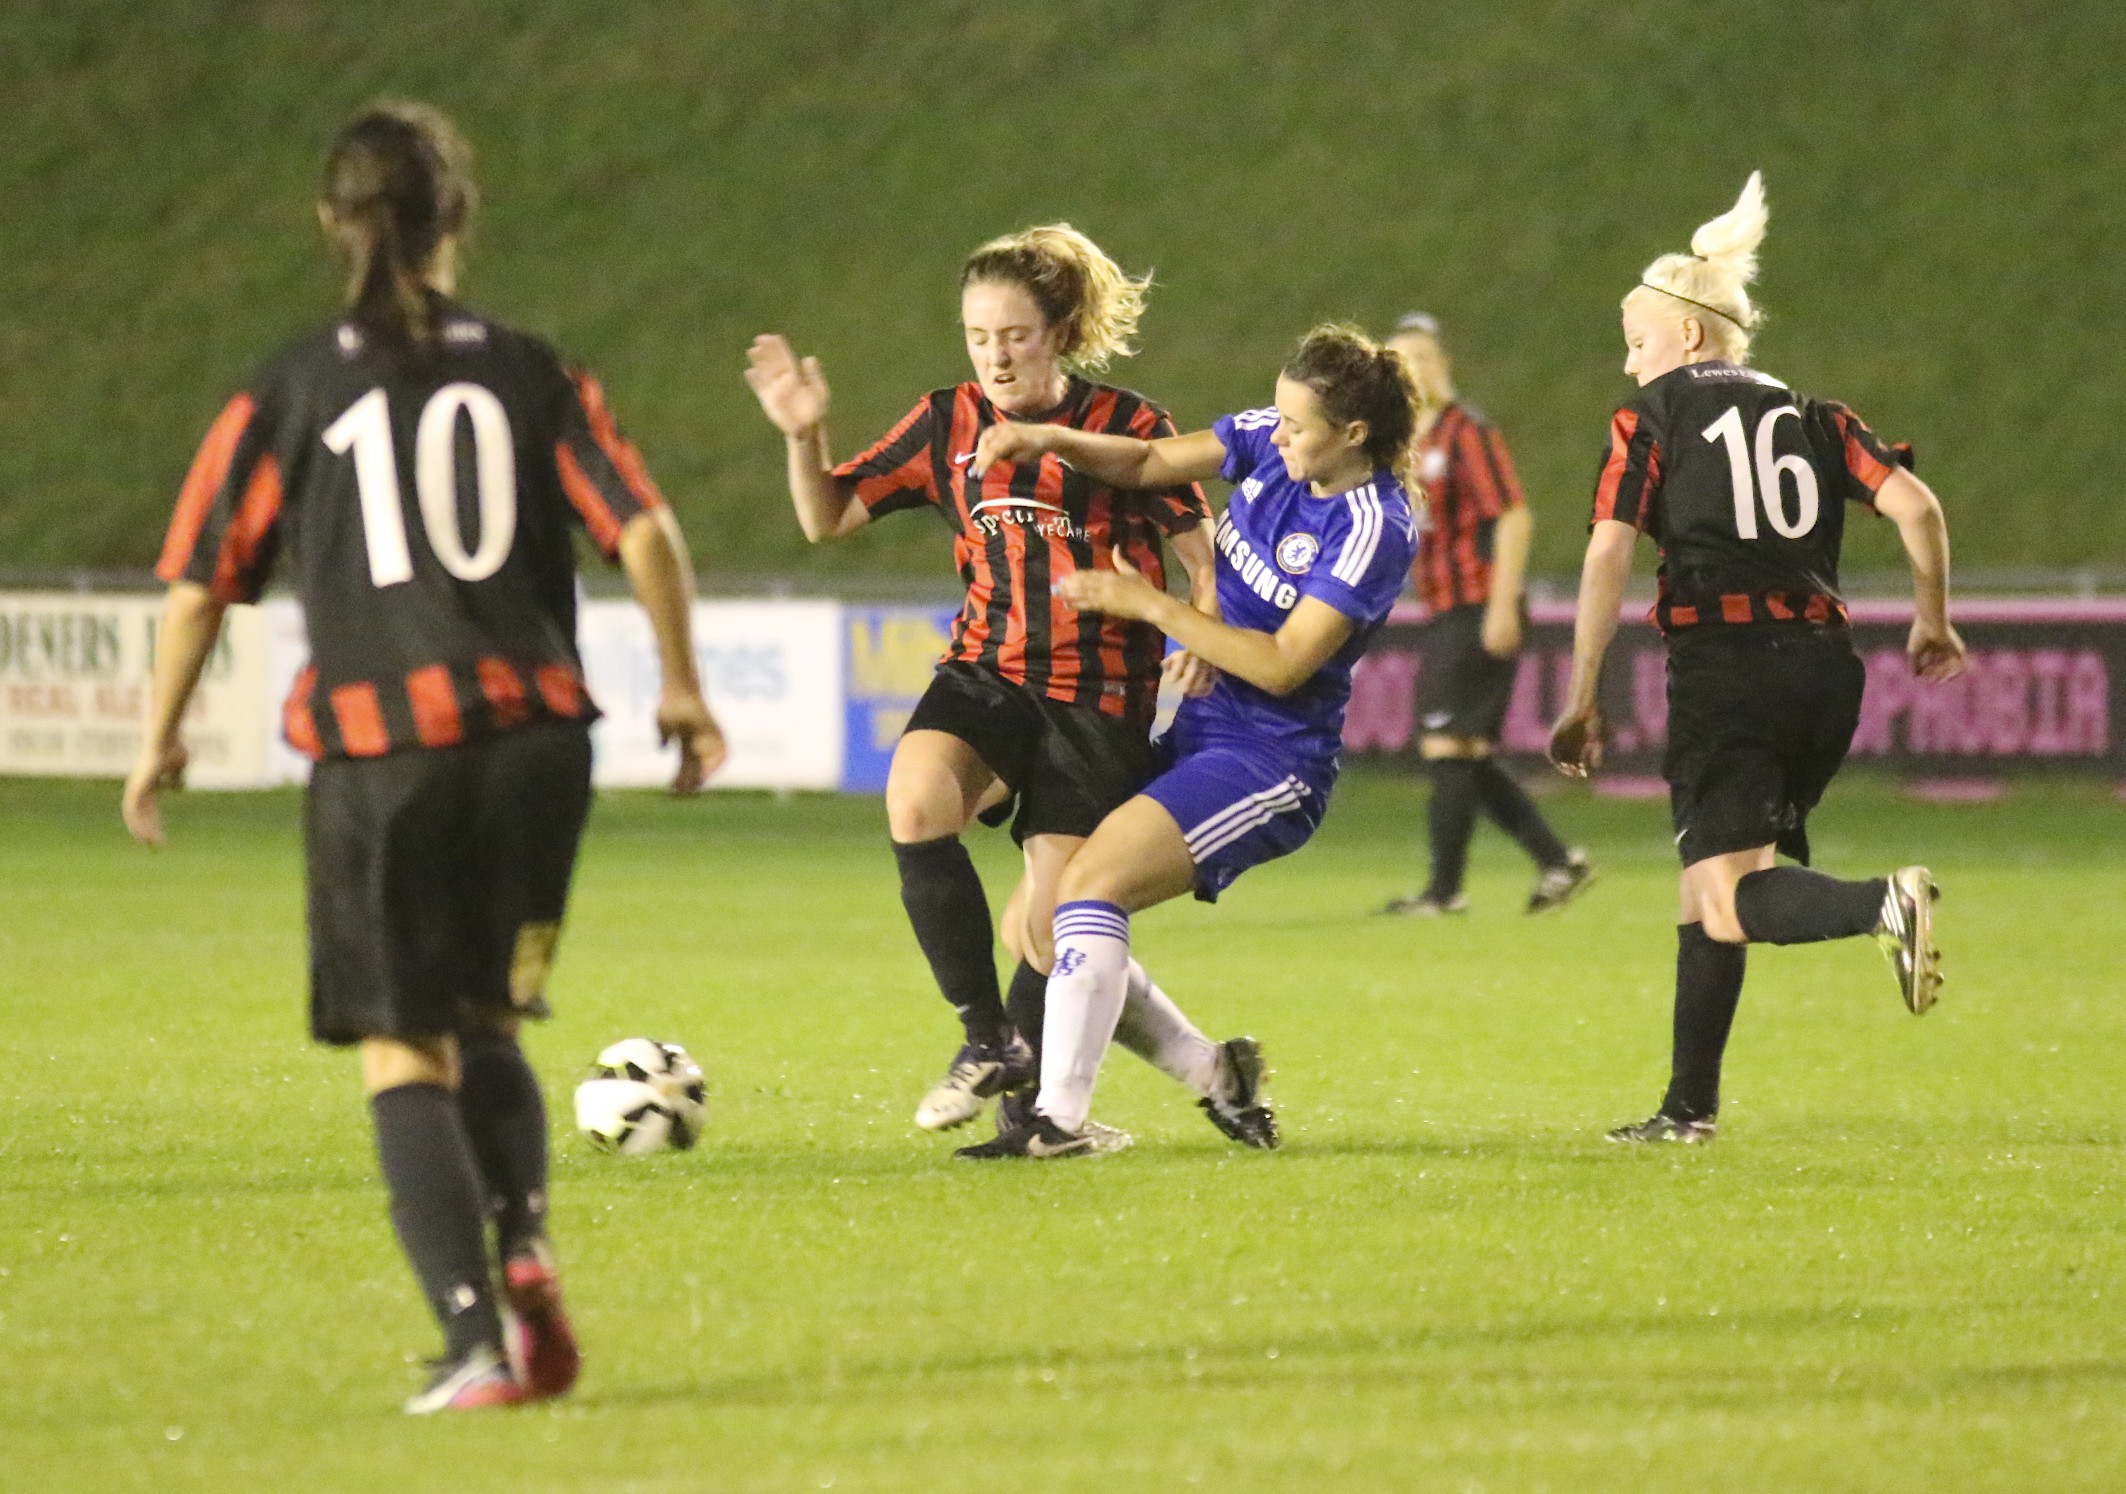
(1023, 527)
(1468, 481)
(1742, 483)
(427, 504)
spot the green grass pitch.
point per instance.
(1898, 1269)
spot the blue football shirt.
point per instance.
(1277, 543)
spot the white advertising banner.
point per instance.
(75, 673)
(773, 675)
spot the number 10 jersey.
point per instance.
(1742, 483)
(427, 502)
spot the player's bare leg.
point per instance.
(934, 788)
(437, 1209)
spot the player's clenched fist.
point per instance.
(1576, 742)
(1009, 441)
(1935, 650)
(1121, 592)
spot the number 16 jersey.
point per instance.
(428, 503)
(1742, 483)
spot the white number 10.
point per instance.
(1728, 428)
(365, 428)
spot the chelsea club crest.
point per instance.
(1296, 552)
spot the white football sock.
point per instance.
(1161, 1034)
(1086, 989)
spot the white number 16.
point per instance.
(365, 428)
(1728, 428)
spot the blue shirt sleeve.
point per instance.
(1246, 439)
(1366, 552)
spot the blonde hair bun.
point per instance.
(1716, 275)
(1733, 237)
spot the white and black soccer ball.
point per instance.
(642, 1096)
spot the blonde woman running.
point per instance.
(1742, 483)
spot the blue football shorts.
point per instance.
(1239, 803)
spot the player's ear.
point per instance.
(1693, 333)
(1357, 434)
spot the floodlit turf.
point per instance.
(1898, 1269)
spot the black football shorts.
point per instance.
(1462, 691)
(1759, 720)
(438, 878)
(1068, 766)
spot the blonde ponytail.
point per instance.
(1715, 276)
(1076, 285)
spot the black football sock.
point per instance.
(505, 1120)
(1027, 1005)
(1452, 819)
(1515, 813)
(1793, 905)
(943, 896)
(1708, 985)
(436, 1209)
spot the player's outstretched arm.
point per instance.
(1934, 648)
(1129, 462)
(653, 553)
(191, 621)
(793, 394)
(1576, 739)
(1278, 662)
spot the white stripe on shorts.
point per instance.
(1237, 819)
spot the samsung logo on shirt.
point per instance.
(1256, 573)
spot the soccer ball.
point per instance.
(642, 1096)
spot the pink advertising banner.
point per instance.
(2043, 689)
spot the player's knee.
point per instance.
(1087, 880)
(1722, 926)
(1037, 944)
(1714, 906)
(392, 1063)
(918, 812)
(1436, 746)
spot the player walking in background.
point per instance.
(425, 468)
(1037, 704)
(1742, 483)
(1312, 551)
(1472, 556)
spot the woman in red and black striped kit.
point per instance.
(425, 470)
(1035, 701)
(1743, 483)
(1471, 559)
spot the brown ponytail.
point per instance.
(398, 182)
(1355, 378)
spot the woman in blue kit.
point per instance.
(1312, 550)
